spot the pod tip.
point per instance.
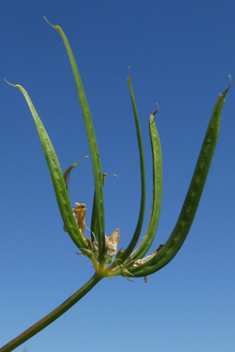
(154, 113)
(230, 81)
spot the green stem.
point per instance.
(49, 318)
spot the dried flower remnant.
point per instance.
(111, 243)
(79, 214)
(148, 257)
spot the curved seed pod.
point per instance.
(56, 176)
(92, 144)
(148, 238)
(175, 241)
(125, 254)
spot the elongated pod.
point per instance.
(148, 238)
(98, 179)
(138, 228)
(185, 220)
(59, 184)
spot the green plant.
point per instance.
(100, 249)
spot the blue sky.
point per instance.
(180, 54)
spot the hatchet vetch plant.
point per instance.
(101, 249)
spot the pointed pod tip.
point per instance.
(129, 76)
(154, 113)
(230, 82)
(86, 156)
(108, 173)
(11, 84)
(49, 23)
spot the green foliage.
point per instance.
(100, 249)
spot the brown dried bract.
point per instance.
(158, 249)
(111, 242)
(146, 259)
(79, 214)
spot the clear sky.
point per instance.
(180, 54)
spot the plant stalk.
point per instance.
(52, 316)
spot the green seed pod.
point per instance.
(186, 217)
